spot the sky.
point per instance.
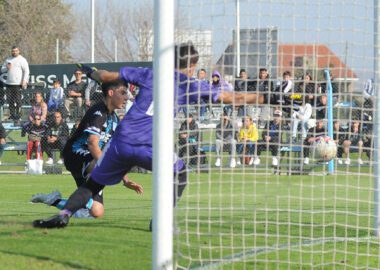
(345, 26)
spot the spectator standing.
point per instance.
(17, 69)
(39, 108)
(313, 133)
(225, 140)
(284, 93)
(308, 88)
(188, 140)
(56, 137)
(247, 140)
(92, 94)
(75, 92)
(3, 135)
(271, 137)
(355, 142)
(56, 97)
(35, 130)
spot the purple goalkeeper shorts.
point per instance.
(119, 158)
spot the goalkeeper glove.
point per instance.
(88, 71)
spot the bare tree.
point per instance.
(115, 22)
(34, 26)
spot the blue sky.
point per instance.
(333, 23)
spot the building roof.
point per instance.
(292, 56)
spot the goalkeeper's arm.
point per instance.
(105, 76)
(240, 98)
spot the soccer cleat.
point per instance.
(57, 221)
(49, 161)
(60, 161)
(217, 162)
(256, 161)
(48, 199)
(274, 161)
(232, 163)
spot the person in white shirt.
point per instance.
(301, 116)
(17, 69)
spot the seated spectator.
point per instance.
(354, 142)
(334, 85)
(284, 92)
(220, 84)
(301, 114)
(188, 140)
(39, 108)
(56, 97)
(340, 135)
(75, 92)
(3, 135)
(75, 126)
(243, 84)
(308, 88)
(35, 130)
(225, 141)
(247, 140)
(320, 111)
(55, 138)
(271, 137)
(313, 133)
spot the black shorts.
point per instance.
(77, 165)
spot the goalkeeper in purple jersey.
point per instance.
(131, 144)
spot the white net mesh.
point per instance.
(257, 196)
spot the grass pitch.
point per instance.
(226, 221)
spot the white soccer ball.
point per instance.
(324, 148)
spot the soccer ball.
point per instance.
(324, 148)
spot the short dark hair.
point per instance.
(185, 55)
(242, 70)
(15, 47)
(287, 73)
(262, 69)
(111, 85)
(202, 69)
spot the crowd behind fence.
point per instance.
(294, 113)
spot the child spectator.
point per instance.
(301, 115)
(39, 108)
(247, 140)
(3, 134)
(272, 137)
(35, 130)
(56, 98)
(225, 140)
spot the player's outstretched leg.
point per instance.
(76, 201)
(49, 199)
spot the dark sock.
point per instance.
(56, 202)
(81, 196)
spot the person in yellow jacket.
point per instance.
(247, 140)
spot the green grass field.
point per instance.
(226, 221)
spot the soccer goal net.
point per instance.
(258, 195)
